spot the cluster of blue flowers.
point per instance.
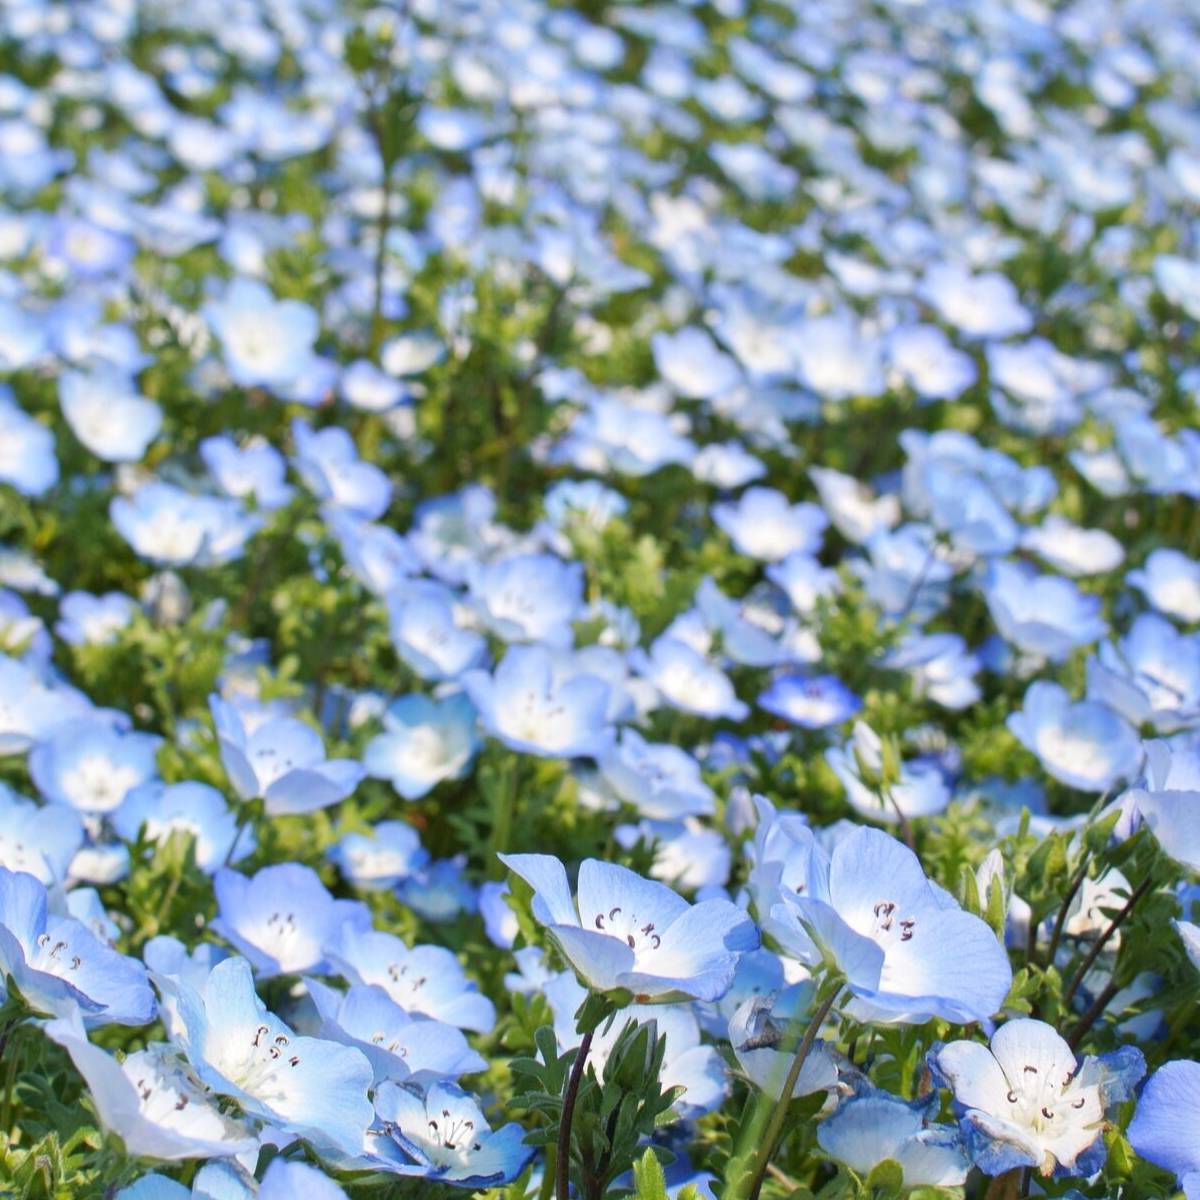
(525, 527)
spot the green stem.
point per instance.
(504, 807)
(1061, 920)
(10, 1053)
(757, 1144)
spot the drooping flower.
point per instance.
(152, 1100)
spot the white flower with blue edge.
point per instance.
(873, 1126)
(1026, 1101)
(151, 1100)
(529, 706)
(281, 917)
(399, 1046)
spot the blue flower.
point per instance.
(328, 463)
(108, 415)
(60, 967)
(626, 932)
(283, 761)
(442, 1135)
(1043, 615)
(427, 634)
(1027, 1101)
(873, 1126)
(386, 856)
(1163, 1129)
(27, 458)
(907, 951)
(661, 781)
(282, 917)
(399, 1046)
(764, 526)
(528, 597)
(87, 620)
(428, 980)
(688, 681)
(152, 1100)
(90, 766)
(528, 706)
(157, 810)
(266, 341)
(38, 840)
(1085, 744)
(309, 1087)
(424, 742)
(810, 701)
(253, 469)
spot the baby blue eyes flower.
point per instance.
(529, 598)
(625, 932)
(89, 766)
(661, 781)
(87, 620)
(906, 949)
(157, 810)
(688, 681)
(254, 469)
(108, 415)
(529, 706)
(27, 457)
(282, 917)
(312, 1088)
(1164, 1126)
(1167, 800)
(1027, 1101)
(810, 701)
(265, 341)
(1043, 615)
(442, 1135)
(764, 526)
(386, 856)
(918, 790)
(283, 761)
(328, 463)
(1151, 676)
(424, 742)
(427, 633)
(427, 980)
(174, 528)
(152, 1100)
(399, 1046)
(1170, 581)
(60, 967)
(1085, 744)
(40, 840)
(757, 1032)
(872, 1126)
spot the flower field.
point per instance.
(599, 599)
